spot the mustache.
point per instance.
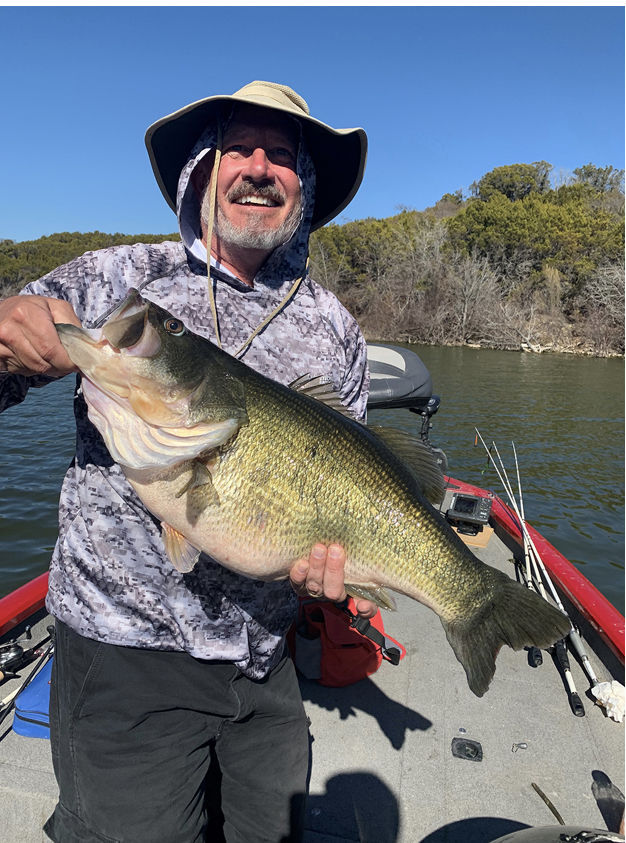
(267, 191)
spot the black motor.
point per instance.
(399, 379)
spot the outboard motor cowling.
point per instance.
(398, 378)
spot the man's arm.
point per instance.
(29, 343)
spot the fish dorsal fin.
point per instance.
(418, 457)
(322, 389)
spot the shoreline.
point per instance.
(524, 348)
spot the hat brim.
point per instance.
(338, 155)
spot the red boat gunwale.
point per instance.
(23, 602)
(593, 606)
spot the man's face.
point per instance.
(258, 190)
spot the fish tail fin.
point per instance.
(513, 615)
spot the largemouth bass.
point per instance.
(254, 473)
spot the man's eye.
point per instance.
(277, 154)
(283, 156)
(237, 149)
(283, 152)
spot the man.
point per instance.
(158, 675)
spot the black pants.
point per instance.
(134, 733)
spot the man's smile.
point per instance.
(257, 200)
(264, 195)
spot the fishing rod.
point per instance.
(534, 653)
(521, 503)
(538, 565)
(528, 543)
(574, 636)
(560, 648)
(525, 535)
(532, 583)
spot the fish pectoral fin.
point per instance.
(374, 593)
(199, 491)
(181, 553)
(200, 478)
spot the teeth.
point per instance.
(256, 200)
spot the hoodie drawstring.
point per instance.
(209, 233)
(209, 239)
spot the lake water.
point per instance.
(564, 413)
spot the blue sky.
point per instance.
(445, 94)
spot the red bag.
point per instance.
(326, 644)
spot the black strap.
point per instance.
(18, 716)
(364, 627)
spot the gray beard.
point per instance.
(254, 235)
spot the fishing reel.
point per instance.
(14, 656)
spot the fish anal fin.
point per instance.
(374, 593)
(181, 553)
(418, 458)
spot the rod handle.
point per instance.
(574, 700)
(576, 704)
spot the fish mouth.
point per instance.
(120, 363)
(126, 325)
(99, 354)
(126, 330)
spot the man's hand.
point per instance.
(321, 575)
(29, 343)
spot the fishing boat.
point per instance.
(409, 754)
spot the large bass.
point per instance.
(254, 473)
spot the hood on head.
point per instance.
(287, 261)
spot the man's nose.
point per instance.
(258, 165)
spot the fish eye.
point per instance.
(174, 327)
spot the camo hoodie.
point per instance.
(109, 577)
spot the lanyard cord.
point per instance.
(283, 303)
(275, 312)
(209, 237)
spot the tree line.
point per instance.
(27, 260)
(527, 260)
(520, 263)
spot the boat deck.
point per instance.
(383, 769)
(382, 766)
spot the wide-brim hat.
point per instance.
(339, 155)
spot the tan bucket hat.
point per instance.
(339, 155)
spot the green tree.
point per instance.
(515, 181)
(21, 262)
(602, 179)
